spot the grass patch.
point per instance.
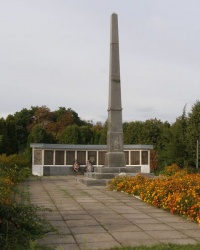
(162, 247)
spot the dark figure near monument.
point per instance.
(115, 156)
(89, 167)
(76, 166)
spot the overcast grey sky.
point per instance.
(56, 53)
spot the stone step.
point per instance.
(100, 175)
(127, 169)
(94, 179)
(92, 182)
(103, 175)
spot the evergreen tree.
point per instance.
(23, 119)
(193, 132)
(12, 135)
(177, 146)
(4, 143)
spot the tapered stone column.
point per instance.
(115, 156)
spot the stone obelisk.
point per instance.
(115, 156)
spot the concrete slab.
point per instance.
(194, 233)
(153, 226)
(183, 225)
(122, 228)
(144, 221)
(87, 229)
(73, 212)
(166, 234)
(63, 230)
(54, 239)
(116, 221)
(94, 237)
(81, 223)
(69, 217)
(134, 238)
(104, 216)
(65, 246)
(98, 245)
(180, 241)
(136, 216)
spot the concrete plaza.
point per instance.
(94, 218)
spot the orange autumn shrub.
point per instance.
(178, 194)
(7, 187)
(13, 170)
(128, 184)
(171, 170)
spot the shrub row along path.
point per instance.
(95, 218)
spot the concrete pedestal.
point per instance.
(115, 159)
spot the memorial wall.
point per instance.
(60, 157)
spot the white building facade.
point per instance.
(58, 159)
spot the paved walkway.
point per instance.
(93, 218)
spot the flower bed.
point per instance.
(178, 193)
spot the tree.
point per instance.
(103, 133)
(193, 132)
(12, 135)
(151, 133)
(133, 132)
(162, 145)
(23, 119)
(39, 135)
(59, 112)
(43, 115)
(86, 135)
(177, 146)
(76, 118)
(70, 135)
(97, 133)
(63, 119)
(3, 137)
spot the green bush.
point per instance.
(20, 223)
(15, 167)
(14, 160)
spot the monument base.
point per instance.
(102, 176)
(115, 159)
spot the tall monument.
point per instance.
(115, 156)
